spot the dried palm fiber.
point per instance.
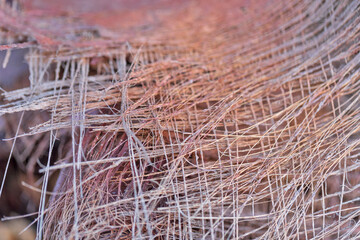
(199, 120)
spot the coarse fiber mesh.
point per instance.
(216, 120)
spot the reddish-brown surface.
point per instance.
(122, 20)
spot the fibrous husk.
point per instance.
(196, 120)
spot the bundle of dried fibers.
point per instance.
(195, 120)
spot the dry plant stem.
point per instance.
(60, 183)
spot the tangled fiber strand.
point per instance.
(221, 122)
